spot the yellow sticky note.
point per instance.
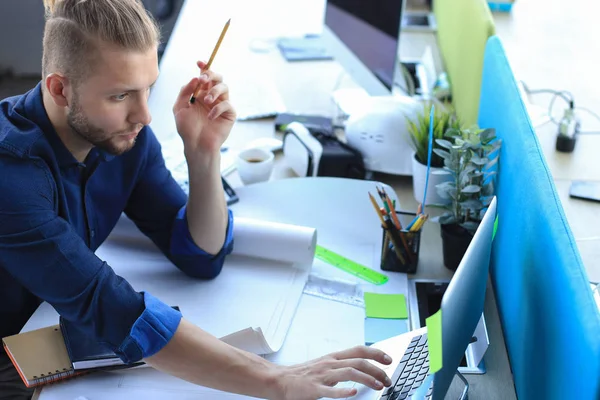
(391, 306)
(434, 341)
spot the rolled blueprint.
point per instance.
(273, 240)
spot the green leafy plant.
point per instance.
(471, 157)
(418, 131)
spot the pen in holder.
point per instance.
(400, 252)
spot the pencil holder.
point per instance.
(408, 249)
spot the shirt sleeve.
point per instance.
(157, 206)
(43, 252)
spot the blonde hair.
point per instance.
(76, 28)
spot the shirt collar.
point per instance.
(36, 111)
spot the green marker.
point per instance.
(350, 266)
(495, 227)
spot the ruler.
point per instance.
(333, 289)
(350, 266)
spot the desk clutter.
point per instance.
(45, 355)
(400, 250)
(386, 316)
(59, 352)
(40, 356)
(311, 148)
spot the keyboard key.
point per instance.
(401, 366)
(400, 384)
(405, 358)
(394, 395)
(423, 340)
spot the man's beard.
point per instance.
(98, 137)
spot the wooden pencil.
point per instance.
(211, 59)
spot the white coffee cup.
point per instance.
(255, 165)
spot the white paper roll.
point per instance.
(275, 241)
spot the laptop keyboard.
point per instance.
(411, 372)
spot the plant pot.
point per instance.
(419, 177)
(455, 241)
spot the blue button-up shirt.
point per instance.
(55, 212)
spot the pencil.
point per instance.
(211, 59)
(374, 202)
(386, 244)
(392, 210)
(394, 235)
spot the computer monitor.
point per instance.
(462, 303)
(370, 30)
(462, 306)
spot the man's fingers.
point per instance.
(211, 77)
(366, 367)
(349, 374)
(218, 91)
(185, 93)
(337, 393)
(224, 109)
(369, 353)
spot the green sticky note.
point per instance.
(434, 341)
(495, 227)
(385, 305)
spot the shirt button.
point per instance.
(93, 233)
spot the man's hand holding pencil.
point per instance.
(203, 113)
(205, 124)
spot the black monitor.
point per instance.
(371, 30)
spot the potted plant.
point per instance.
(418, 132)
(470, 161)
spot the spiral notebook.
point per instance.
(40, 356)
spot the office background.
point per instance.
(550, 45)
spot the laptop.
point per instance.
(462, 306)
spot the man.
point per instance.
(76, 152)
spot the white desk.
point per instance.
(342, 213)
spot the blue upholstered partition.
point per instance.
(550, 321)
